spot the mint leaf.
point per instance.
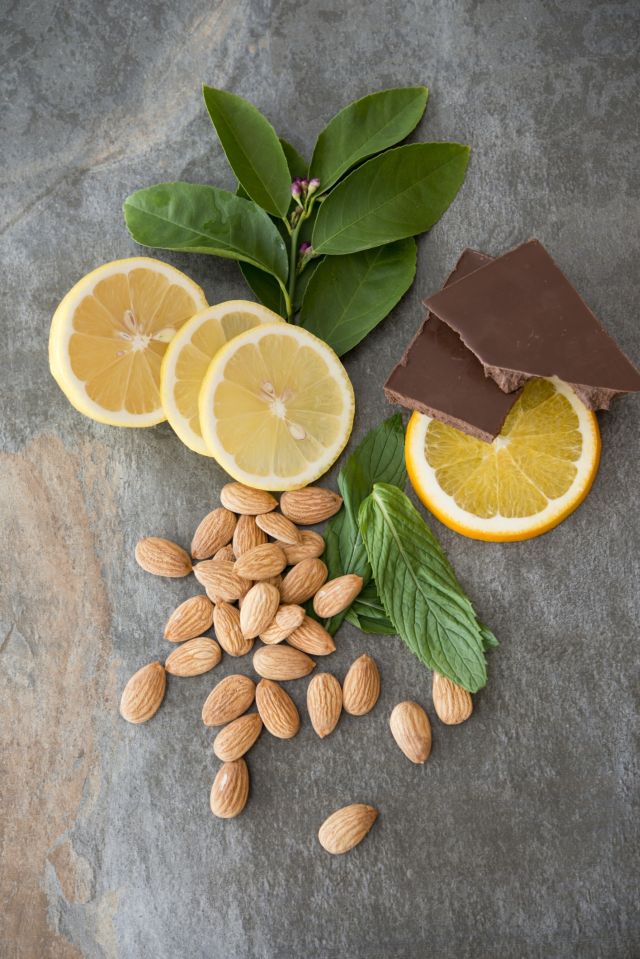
(379, 458)
(365, 127)
(349, 295)
(252, 148)
(368, 613)
(419, 589)
(397, 194)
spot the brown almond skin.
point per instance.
(310, 505)
(261, 562)
(452, 703)
(287, 618)
(411, 729)
(228, 700)
(361, 686)
(311, 546)
(143, 694)
(324, 703)
(312, 638)
(226, 554)
(277, 709)
(193, 658)
(303, 581)
(230, 790)
(226, 622)
(238, 737)
(279, 527)
(282, 663)
(213, 532)
(242, 499)
(258, 609)
(220, 580)
(346, 827)
(190, 619)
(247, 535)
(337, 595)
(162, 557)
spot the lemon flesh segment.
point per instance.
(188, 357)
(276, 407)
(536, 472)
(110, 332)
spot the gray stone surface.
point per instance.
(519, 838)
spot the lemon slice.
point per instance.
(276, 407)
(533, 475)
(110, 332)
(188, 357)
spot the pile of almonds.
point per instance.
(257, 569)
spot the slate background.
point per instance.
(519, 837)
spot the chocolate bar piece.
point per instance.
(522, 318)
(439, 376)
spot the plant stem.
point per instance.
(293, 258)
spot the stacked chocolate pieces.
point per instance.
(496, 324)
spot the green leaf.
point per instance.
(379, 458)
(368, 613)
(265, 287)
(349, 295)
(365, 127)
(419, 589)
(397, 194)
(194, 218)
(303, 281)
(297, 164)
(252, 148)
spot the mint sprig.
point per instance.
(420, 591)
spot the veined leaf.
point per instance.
(295, 161)
(349, 295)
(379, 458)
(365, 127)
(368, 613)
(419, 590)
(252, 148)
(194, 218)
(265, 287)
(400, 193)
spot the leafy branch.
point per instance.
(328, 244)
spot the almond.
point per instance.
(226, 622)
(220, 580)
(194, 657)
(214, 532)
(242, 499)
(230, 790)
(303, 581)
(324, 702)
(247, 535)
(310, 505)
(312, 638)
(237, 738)
(282, 662)
(162, 557)
(337, 595)
(226, 554)
(411, 729)
(228, 700)
(189, 619)
(261, 562)
(361, 686)
(311, 546)
(279, 527)
(258, 609)
(346, 827)
(277, 709)
(287, 619)
(452, 703)
(143, 694)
